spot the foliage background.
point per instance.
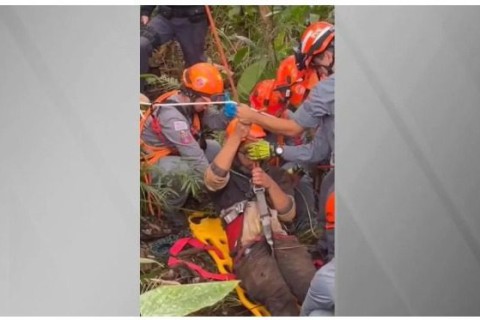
(255, 40)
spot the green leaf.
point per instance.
(182, 300)
(250, 77)
(279, 40)
(239, 56)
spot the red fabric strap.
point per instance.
(181, 243)
(178, 247)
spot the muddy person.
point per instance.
(279, 279)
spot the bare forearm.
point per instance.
(286, 127)
(224, 158)
(280, 200)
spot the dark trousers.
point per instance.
(190, 35)
(281, 282)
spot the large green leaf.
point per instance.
(184, 299)
(250, 77)
(239, 56)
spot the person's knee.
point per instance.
(265, 285)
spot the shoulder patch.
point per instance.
(180, 125)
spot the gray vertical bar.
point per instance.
(407, 153)
(69, 166)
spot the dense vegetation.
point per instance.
(255, 39)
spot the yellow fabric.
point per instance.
(210, 231)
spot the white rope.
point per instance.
(173, 104)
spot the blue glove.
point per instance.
(230, 109)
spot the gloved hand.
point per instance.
(260, 150)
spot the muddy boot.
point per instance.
(263, 282)
(295, 264)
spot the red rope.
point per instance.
(222, 53)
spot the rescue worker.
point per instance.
(186, 24)
(320, 299)
(171, 137)
(265, 98)
(280, 279)
(318, 110)
(316, 52)
(294, 84)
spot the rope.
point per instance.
(174, 104)
(308, 212)
(222, 53)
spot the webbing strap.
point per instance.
(265, 217)
(180, 244)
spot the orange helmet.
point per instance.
(264, 98)
(256, 132)
(288, 73)
(289, 81)
(204, 79)
(315, 40)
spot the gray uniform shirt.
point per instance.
(175, 132)
(318, 111)
(314, 152)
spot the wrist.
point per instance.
(253, 116)
(269, 185)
